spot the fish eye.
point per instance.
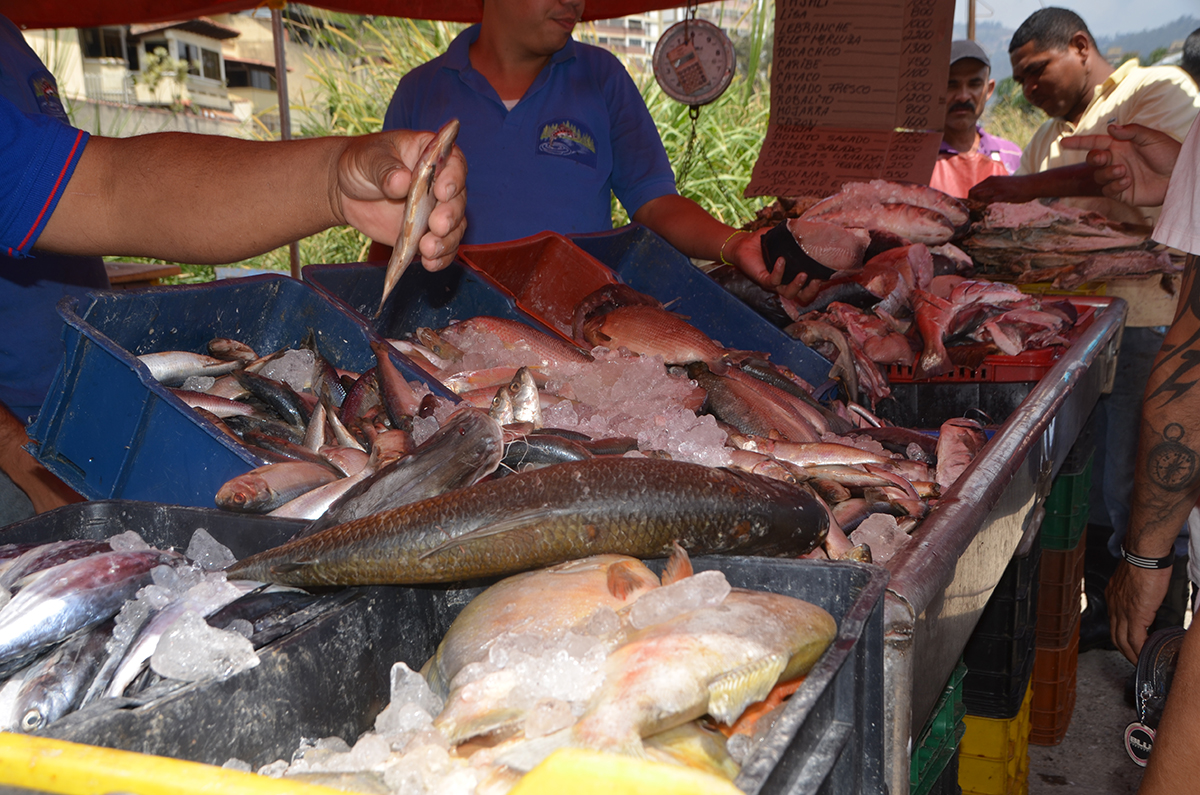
(32, 720)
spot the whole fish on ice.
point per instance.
(537, 518)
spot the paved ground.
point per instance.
(1091, 758)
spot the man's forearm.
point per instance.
(261, 195)
(44, 490)
(1167, 474)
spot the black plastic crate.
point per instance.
(929, 405)
(331, 677)
(1012, 609)
(997, 695)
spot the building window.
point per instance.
(635, 43)
(101, 43)
(635, 24)
(201, 61)
(602, 39)
(239, 75)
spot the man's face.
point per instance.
(1053, 80)
(539, 27)
(967, 93)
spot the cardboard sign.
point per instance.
(858, 92)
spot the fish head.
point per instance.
(502, 410)
(526, 402)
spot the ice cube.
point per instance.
(294, 368)
(191, 650)
(882, 534)
(334, 743)
(176, 580)
(604, 621)
(410, 687)
(199, 383)
(129, 541)
(233, 763)
(740, 747)
(241, 626)
(370, 751)
(400, 717)
(274, 769)
(706, 589)
(211, 554)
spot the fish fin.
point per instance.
(623, 580)
(679, 565)
(289, 567)
(527, 755)
(526, 522)
(730, 693)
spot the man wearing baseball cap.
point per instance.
(969, 155)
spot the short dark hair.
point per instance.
(1191, 55)
(1051, 29)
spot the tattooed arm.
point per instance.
(1167, 475)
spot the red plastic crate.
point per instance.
(1060, 587)
(1004, 369)
(546, 275)
(1054, 678)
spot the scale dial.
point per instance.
(694, 62)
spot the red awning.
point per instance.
(94, 13)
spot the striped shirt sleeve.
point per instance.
(38, 155)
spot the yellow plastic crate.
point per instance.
(993, 758)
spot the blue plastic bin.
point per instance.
(109, 430)
(547, 263)
(421, 299)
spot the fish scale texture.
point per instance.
(606, 505)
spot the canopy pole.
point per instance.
(285, 115)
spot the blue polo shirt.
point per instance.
(580, 134)
(38, 154)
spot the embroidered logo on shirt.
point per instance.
(46, 93)
(568, 138)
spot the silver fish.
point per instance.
(526, 402)
(467, 447)
(56, 684)
(72, 597)
(265, 488)
(418, 206)
(174, 367)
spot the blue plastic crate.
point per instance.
(109, 430)
(632, 254)
(421, 299)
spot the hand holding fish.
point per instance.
(374, 174)
(1133, 162)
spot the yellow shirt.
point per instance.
(1161, 97)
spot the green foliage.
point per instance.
(161, 66)
(1010, 115)
(1157, 54)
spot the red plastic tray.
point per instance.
(1003, 369)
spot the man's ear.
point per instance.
(987, 92)
(1081, 44)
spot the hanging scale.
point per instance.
(694, 64)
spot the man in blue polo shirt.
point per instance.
(552, 129)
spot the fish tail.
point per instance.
(730, 693)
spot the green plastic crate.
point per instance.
(1062, 533)
(939, 740)
(1069, 494)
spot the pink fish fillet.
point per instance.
(933, 318)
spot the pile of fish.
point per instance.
(87, 620)
(675, 438)
(1036, 242)
(617, 661)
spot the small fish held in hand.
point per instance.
(419, 206)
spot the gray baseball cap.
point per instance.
(965, 48)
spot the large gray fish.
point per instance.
(72, 597)
(418, 206)
(627, 506)
(56, 684)
(46, 556)
(468, 447)
(174, 367)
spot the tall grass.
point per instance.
(1011, 116)
(358, 64)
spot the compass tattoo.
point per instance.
(1172, 465)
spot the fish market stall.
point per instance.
(942, 580)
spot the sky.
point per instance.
(1104, 18)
